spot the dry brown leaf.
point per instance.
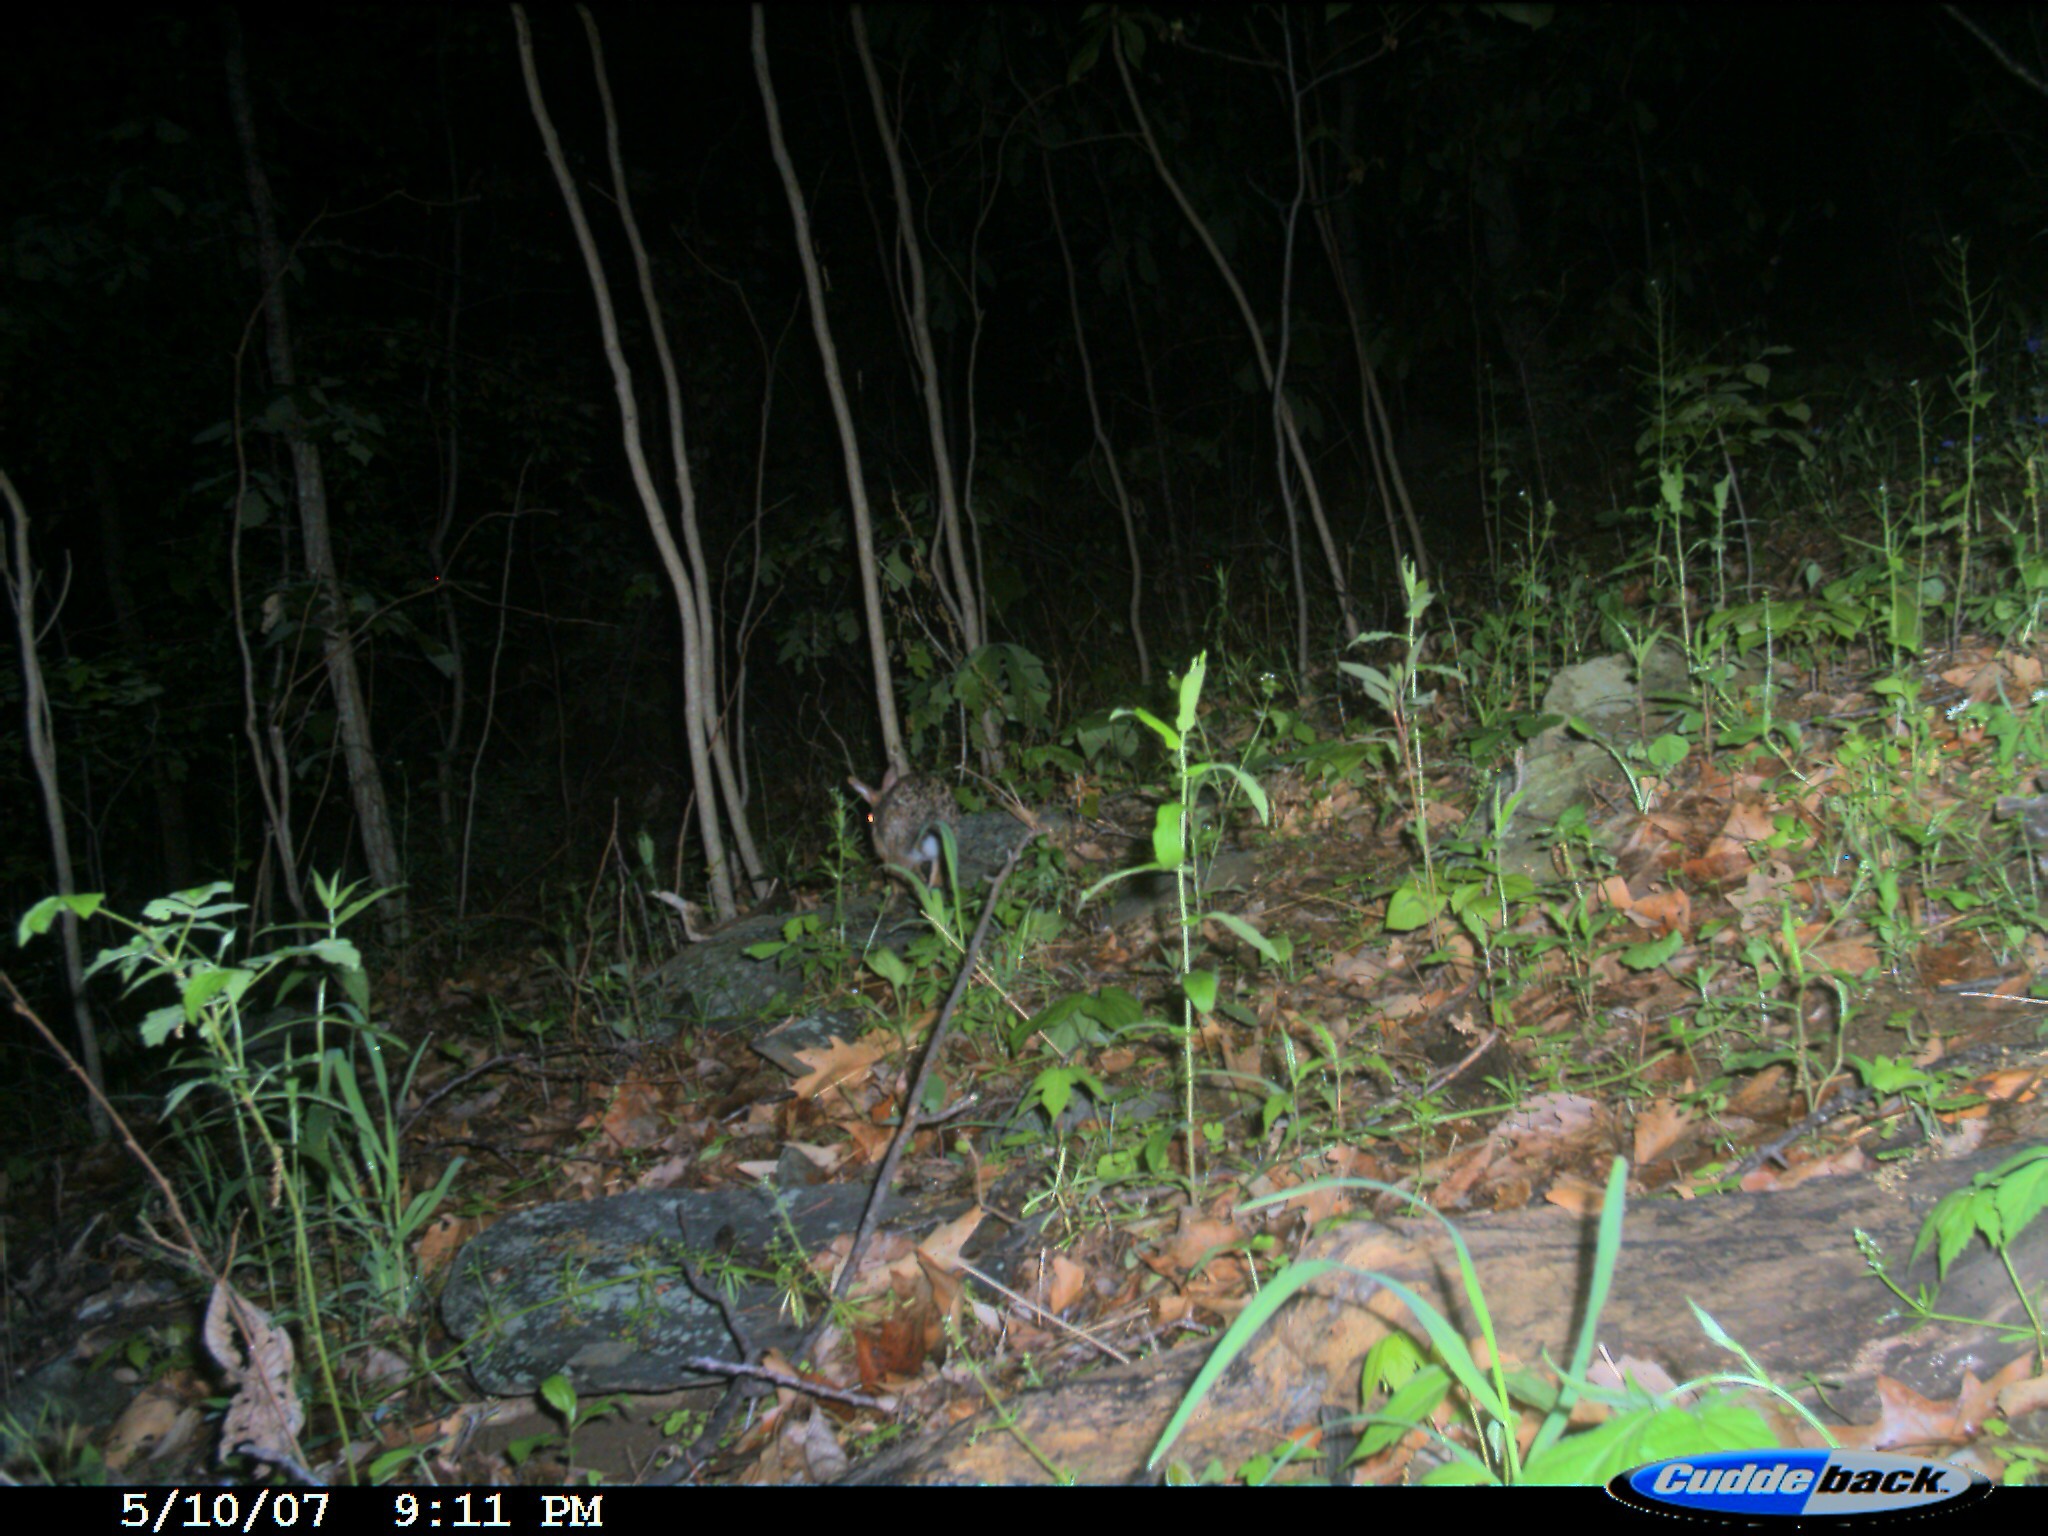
(1316, 1206)
(1065, 1285)
(1574, 1194)
(1357, 968)
(871, 1142)
(839, 1063)
(633, 1120)
(824, 1458)
(265, 1415)
(441, 1240)
(1749, 821)
(2029, 1395)
(1759, 891)
(1907, 1418)
(1659, 1128)
(1980, 680)
(1977, 1400)
(1546, 1118)
(2016, 1085)
(1761, 1095)
(1850, 956)
(1662, 910)
(666, 1174)
(1453, 1178)
(1198, 1236)
(943, 1246)
(1848, 1160)
(153, 1423)
(892, 1350)
(826, 1159)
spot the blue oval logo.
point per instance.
(1797, 1485)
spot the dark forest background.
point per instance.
(1538, 214)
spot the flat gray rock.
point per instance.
(595, 1290)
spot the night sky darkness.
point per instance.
(1510, 194)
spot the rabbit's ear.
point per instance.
(889, 779)
(869, 795)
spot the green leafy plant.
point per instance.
(1396, 690)
(1996, 1206)
(1175, 842)
(558, 1394)
(1642, 1426)
(286, 1116)
(353, 1138)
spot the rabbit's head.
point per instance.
(905, 813)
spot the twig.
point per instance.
(711, 1365)
(705, 1443)
(1042, 1315)
(871, 1217)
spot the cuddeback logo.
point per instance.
(1751, 1485)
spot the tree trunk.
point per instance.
(20, 580)
(842, 413)
(699, 705)
(953, 543)
(1289, 431)
(351, 716)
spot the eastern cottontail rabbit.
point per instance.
(906, 813)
